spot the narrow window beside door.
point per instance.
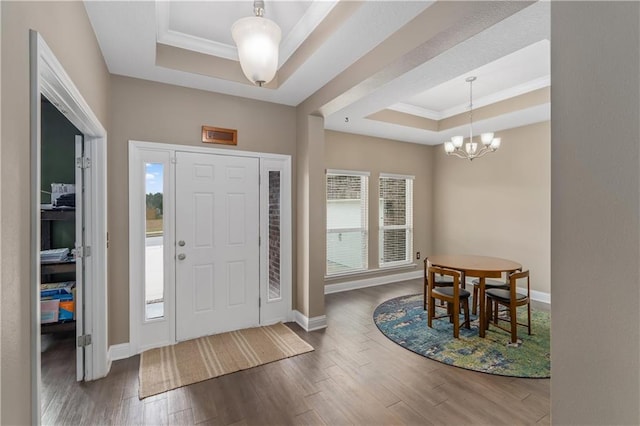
(274, 235)
(154, 241)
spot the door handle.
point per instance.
(181, 243)
(182, 256)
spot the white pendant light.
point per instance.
(258, 42)
(471, 149)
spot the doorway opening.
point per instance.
(49, 80)
(61, 239)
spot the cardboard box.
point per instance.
(49, 311)
(67, 310)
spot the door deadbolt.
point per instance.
(182, 256)
(181, 243)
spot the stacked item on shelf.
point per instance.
(63, 194)
(57, 302)
(54, 255)
(66, 200)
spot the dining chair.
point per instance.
(440, 281)
(454, 296)
(510, 299)
(488, 284)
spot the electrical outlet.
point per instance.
(417, 255)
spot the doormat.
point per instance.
(192, 361)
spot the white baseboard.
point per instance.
(120, 351)
(310, 324)
(538, 296)
(371, 282)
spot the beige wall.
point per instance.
(364, 153)
(66, 29)
(498, 205)
(595, 199)
(311, 215)
(155, 112)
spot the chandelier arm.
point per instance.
(458, 154)
(484, 151)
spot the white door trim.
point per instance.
(135, 227)
(160, 330)
(48, 78)
(205, 150)
(278, 309)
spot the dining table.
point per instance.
(481, 267)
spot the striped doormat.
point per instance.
(193, 361)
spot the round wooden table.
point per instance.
(482, 267)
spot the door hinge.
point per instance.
(83, 162)
(84, 340)
(259, 302)
(83, 251)
(259, 240)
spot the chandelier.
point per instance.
(471, 149)
(258, 41)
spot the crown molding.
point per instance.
(418, 111)
(316, 13)
(502, 95)
(165, 35)
(511, 92)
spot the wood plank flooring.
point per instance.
(354, 376)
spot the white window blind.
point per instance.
(396, 219)
(347, 219)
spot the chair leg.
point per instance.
(450, 311)
(430, 311)
(514, 323)
(424, 294)
(456, 318)
(467, 321)
(476, 302)
(489, 314)
(495, 312)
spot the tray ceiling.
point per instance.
(412, 97)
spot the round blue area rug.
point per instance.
(404, 321)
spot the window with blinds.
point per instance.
(396, 219)
(347, 219)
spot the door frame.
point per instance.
(136, 265)
(48, 78)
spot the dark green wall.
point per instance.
(58, 166)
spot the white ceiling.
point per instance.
(509, 58)
(517, 73)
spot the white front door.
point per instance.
(217, 253)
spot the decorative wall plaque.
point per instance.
(219, 135)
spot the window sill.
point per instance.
(408, 266)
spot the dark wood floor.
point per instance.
(354, 376)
